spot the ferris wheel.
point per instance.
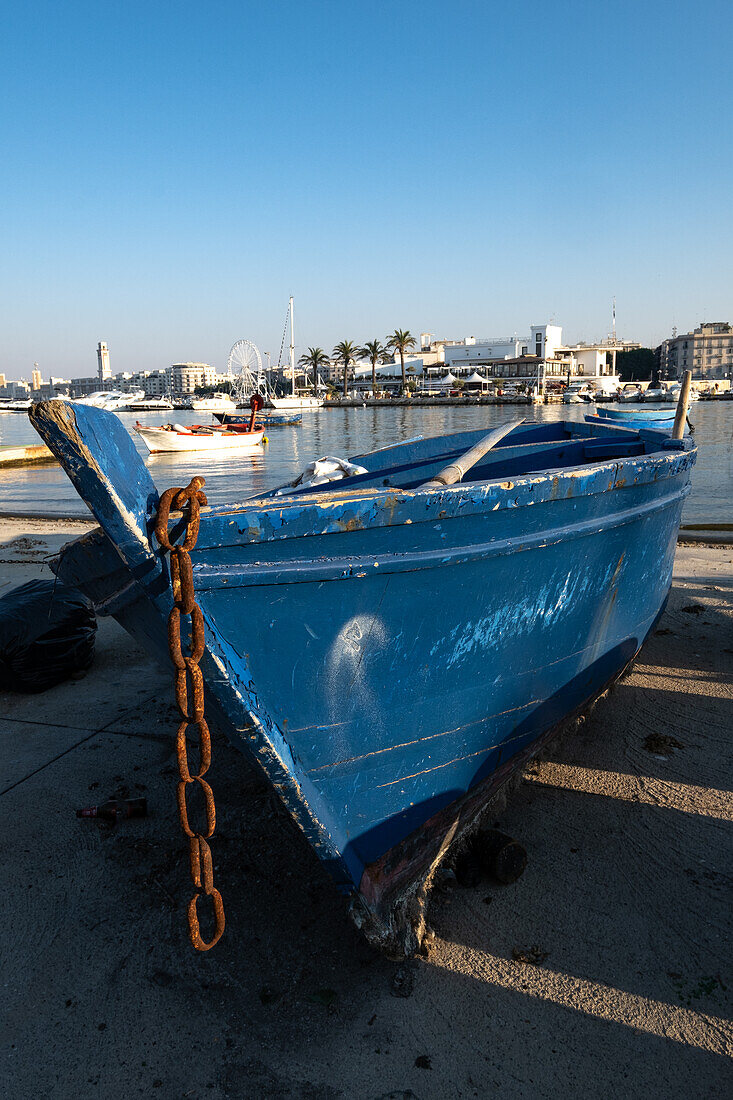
(244, 367)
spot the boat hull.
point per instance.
(269, 420)
(404, 720)
(161, 440)
(389, 657)
(25, 455)
(639, 419)
(646, 421)
(150, 406)
(642, 415)
(213, 406)
(302, 403)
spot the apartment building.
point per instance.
(185, 377)
(707, 352)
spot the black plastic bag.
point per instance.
(47, 634)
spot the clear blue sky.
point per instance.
(171, 172)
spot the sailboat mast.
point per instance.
(292, 347)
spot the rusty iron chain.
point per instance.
(189, 688)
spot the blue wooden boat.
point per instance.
(641, 415)
(659, 419)
(386, 652)
(264, 416)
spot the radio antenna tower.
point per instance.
(614, 318)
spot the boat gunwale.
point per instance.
(672, 458)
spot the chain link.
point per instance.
(189, 688)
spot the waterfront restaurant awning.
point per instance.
(447, 379)
(363, 371)
(476, 377)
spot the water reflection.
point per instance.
(347, 432)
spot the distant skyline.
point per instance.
(90, 367)
(171, 173)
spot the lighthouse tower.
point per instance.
(103, 362)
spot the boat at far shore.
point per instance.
(214, 403)
(112, 400)
(22, 405)
(672, 394)
(299, 399)
(150, 404)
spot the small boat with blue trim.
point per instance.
(659, 419)
(389, 649)
(640, 415)
(266, 417)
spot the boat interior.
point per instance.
(528, 449)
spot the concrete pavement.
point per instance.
(624, 908)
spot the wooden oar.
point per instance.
(682, 401)
(455, 471)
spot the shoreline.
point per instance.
(426, 401)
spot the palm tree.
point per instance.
(375, 352)
(401, 341)
(313, 360)
(345, 352)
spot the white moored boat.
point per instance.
(112, 400)
(150, 404)
(176, 437)
(295, 400)
(22, 405)
(214, 403)
(673, 393)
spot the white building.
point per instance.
(185, 377)
(520, 360)
(545, 341)
(155, 383)
(466, 357)
(16, 391)
(542, 353)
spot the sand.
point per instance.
(622, 916)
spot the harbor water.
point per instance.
(346, 432)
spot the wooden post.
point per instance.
(682, 402)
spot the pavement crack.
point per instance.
(48, 762)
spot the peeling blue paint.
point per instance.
(382, 652)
